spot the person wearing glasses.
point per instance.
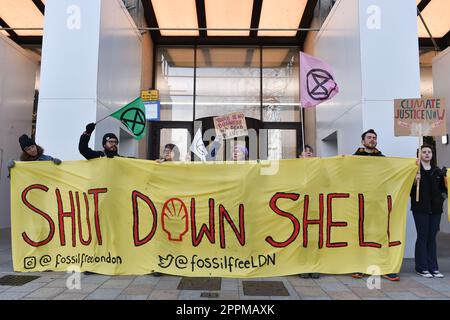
(110, 144)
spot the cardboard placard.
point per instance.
(420, 117)
(231, 125)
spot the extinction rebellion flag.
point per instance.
(317, 82)
(132, 116)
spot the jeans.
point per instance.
(427, 226)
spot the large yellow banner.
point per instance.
(126, 216)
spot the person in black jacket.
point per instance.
(31, 152)
(369, 140)
(308, 152)
(110, 142)
(427, 212)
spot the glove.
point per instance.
(11, 163)
(56, 161)
(90, 128)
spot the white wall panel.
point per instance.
(87, 72)
(372, 67)
(17, 83)
(119, 61)
(119, 70)
(69, 74)
(70, 55)
(389, 50)
(60, 123)
(441, 79)
(338, 44)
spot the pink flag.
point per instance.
(316, 81)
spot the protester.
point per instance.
(427, 212)
(170, 153)
(308, 152)
(109, 142)
(240, 153)
(369, 142)
(213, 149)
(31, 152)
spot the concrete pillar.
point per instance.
(441, 72)
(17, 85)
(373, 48)
(91, 66)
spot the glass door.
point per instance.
(170, 132)
(280, 140)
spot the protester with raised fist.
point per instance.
(109, 142)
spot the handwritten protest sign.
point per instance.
(420, 117)
(231, 125)
(219, 220)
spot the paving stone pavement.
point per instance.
(54, 285)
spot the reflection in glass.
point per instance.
(282, 144)
(280, 85)
(179, 137)
(231, 79)
(228, 80)
(175, 82)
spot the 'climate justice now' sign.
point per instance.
(130, 216)
(420, 117)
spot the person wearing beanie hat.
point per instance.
(109, 136)
(31, 152)
(110, 150)
(25, 142)
(109, 142)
